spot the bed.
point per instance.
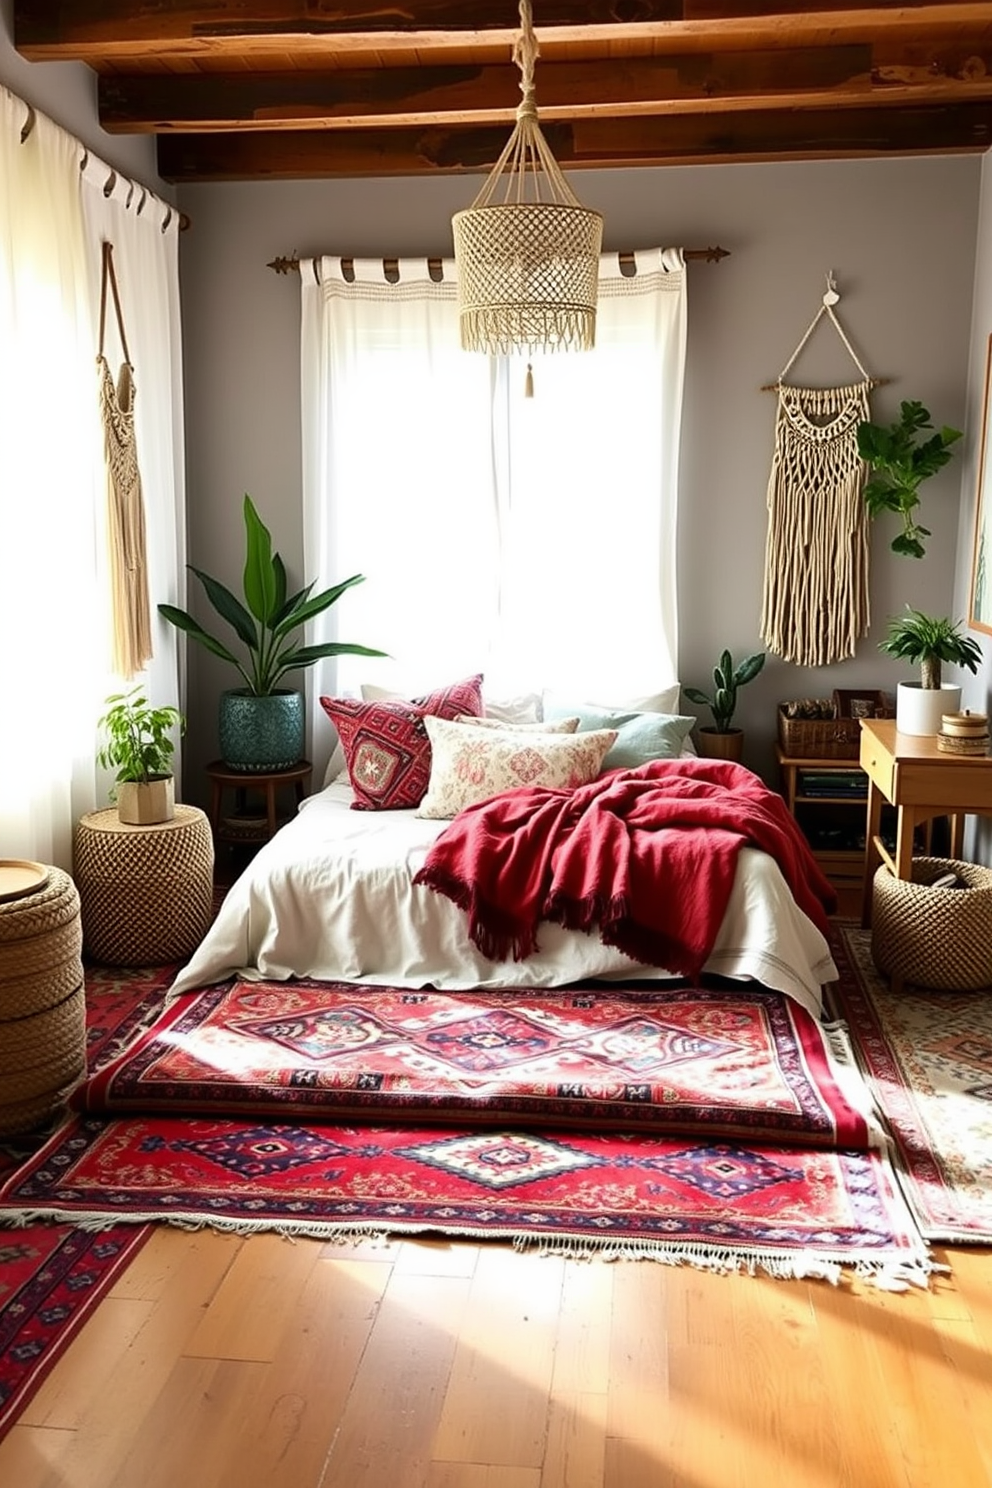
(332, 896)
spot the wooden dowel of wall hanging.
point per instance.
(773, 387)
(390, 266)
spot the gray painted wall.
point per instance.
(905, 275)
(910, 242)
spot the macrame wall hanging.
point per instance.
(815, 606)
(132, 636)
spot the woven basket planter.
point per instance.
(42, 1004)
(936, 938)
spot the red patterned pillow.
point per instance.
(385, 743)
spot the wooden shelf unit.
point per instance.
(843, 815)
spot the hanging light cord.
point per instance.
(526, 157)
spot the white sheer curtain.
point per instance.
(532, 539)
(54, 635)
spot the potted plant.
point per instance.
(900, 462)
(722, 740)
(140, 748)
(930, 641)
(261, 723)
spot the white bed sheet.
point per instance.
(332, 896)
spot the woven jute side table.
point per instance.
(933, 937)
(42, 1003)
(146, 892)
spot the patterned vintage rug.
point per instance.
(787, 1211)
(717, 1061)
(928, 1058)
(52, 1276)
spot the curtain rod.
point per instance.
(87, 154)
(291, 265)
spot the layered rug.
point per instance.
(717, 1061)
(717, 1125)
(788, 1211)
(53, 1275)
(928, 1059)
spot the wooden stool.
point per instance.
(146, 892)
(244, 827)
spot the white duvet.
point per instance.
(332, 896)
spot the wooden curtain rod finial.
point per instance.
(291, 264)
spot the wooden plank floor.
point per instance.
(224, 1362)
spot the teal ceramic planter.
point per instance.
(261, 733)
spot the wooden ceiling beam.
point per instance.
(835, 77)
(97, 31)
(603, 143)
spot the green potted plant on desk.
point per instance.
(261, 724)
(929, 641)
(139, 746)
(723, 740)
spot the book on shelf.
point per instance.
(833, 783)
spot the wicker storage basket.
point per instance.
(42, 1004)
(939, 938)
(819, 738)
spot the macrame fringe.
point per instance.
(815, 605)
(130, 609)
(894, 1275)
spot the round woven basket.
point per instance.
(937, 938)
(146, 892)
(42, 1003)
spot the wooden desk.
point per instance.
(921, 782)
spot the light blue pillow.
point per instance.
(640, 736)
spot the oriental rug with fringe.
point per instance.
(928, 1060)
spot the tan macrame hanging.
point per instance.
(815, 606)
(131, 616)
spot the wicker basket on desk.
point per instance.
(819, 738)
(937, 938)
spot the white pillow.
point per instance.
(552, 726)
(470, 764)
(666, 701)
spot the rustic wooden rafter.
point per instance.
(295, 88)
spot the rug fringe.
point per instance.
(890, 1275)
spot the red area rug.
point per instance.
(787, 1211)
(928, 1059)
(728, 1061)
(52, 1276)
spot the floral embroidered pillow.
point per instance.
(470, 763)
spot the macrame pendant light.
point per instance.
(528, 263)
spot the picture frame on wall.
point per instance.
(980, 607)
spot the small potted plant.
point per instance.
(900, 461)
(261, 723)
(722, 740)
(139, 747)
(928, 640)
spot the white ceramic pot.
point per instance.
(919, 709)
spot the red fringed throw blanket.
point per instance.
(648, 854)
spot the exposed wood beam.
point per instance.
(686, 139)
(54, 30)
(834, 77)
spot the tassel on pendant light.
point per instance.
(528, 265)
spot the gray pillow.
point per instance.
(640, 736)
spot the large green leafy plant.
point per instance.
(930, 640)
(268, 622)
(727, 678)
(901, 461)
